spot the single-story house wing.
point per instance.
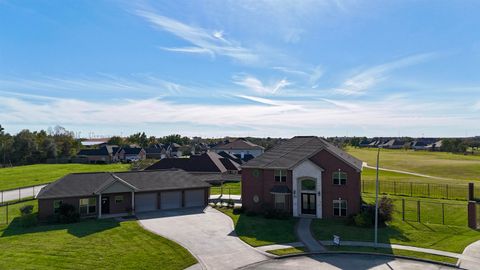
(103, 193)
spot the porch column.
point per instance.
(133, 202)
(100, 205)
(295, 195)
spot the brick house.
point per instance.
(306, 176)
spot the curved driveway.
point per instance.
(207, 234)
(346, 262)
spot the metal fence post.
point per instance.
(6, 214)
(411, 190)
(403, 209)
(19, 198)
(395, 187)
(447, 191)
(428, 189)
(418, 211)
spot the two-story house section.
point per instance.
(306, 176)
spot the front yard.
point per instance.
(90, 244)
(259, 231)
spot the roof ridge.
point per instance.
(289, 152)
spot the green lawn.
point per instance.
(425, 234)
(90, 244)
(30, 175)
(440, 164)
(288, 251)
(232, 188)
(259, 231)
(398, 252)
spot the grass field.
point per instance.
(30, 175)
(424, 234)
(232, 188)
(288, 251)
(90, 244)
(447, 165)
(259, 231)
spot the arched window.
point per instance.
(308, 184)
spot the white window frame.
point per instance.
(338, 176)
(338, 204)
(280, 203)
(282, 174)
(91, 201)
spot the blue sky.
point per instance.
(241, 68)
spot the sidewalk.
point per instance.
(471, 251)
(305, 236)
(280, 246)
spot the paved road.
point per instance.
(207, 234)
(14, 195)
(346, 262)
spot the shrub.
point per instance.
(385, 210)
(26, 210)
(67, 213)
(238, 210)
(276, 214)
(364, 219)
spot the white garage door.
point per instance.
(194, 198)
(171, 199)
(145, 202)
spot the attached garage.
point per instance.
(171, 199)
(194, 197)
(145, 202)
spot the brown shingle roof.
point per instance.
(291, 152)
(239, 144)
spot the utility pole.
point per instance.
(376, 200)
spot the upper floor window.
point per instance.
(281, 175)
(339, 178)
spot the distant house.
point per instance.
(304, 176)
(95, 142)
(240, 148)
(393, 144)
(132, 154)
(156, 151)
(208, 163)
(94, 156)
(231, 157)
(365, 143)
(173, 150)
(419, 145)
(434, 146)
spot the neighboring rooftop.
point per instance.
(132, 150)
(238, 144)
(86, 184)
(207, 162)
(291, 152)
(103, 151)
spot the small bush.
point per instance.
(350, 220)
(67, 213)
(26, 210)
(363, 219)
(385, 210)
(238, 210)
(276, 214)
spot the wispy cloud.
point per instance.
(310, 75)
(258, 86)
(204, 41)
(362, 81)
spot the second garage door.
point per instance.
(171, 200)
(145, 202)
(194, 198)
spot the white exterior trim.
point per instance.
(306, 170)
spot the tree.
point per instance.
(25, 147)
(138, 138)
(116, 140)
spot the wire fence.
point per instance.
(417, 189)
(20, 194)
(11, 210)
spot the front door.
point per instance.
(309, 204)
(105, 205)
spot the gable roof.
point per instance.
(88, 184)
(238, 144)
(132, 150)
(206, 162)
(94, 152)
(288, 154)
(230, 156)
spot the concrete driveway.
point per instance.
(346, 262)
(207, 234)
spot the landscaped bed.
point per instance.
(89, 244)
(260, 231)
(30, 175)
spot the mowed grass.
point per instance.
(259, 231)
(30, 175)
(426, 234)
(89, 244)
(397, 252)
(439, 164)
(231, 188)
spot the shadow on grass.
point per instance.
(78, 229)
